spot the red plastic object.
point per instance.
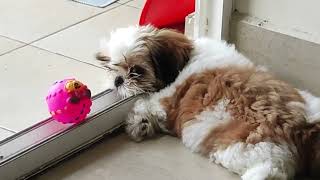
(166, 13)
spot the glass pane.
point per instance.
(42, 42)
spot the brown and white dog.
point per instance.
(221, 105)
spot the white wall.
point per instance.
(299, 15)
(292, 59)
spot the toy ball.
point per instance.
(69, 101)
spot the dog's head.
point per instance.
(144, 59)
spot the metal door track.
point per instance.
(39, 147)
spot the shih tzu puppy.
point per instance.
(217, 102)
(144, 59)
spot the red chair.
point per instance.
(166, 13)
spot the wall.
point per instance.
(299, 15)
(292, 59)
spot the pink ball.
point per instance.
(69, 101)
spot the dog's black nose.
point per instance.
(118, 81)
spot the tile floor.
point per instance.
(42, 41)
(118, 158)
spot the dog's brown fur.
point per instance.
(262, 108)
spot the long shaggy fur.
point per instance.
(148, 59)
(237, 114)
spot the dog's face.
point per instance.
(144, 59)
(133, 74)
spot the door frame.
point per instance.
(212, 18)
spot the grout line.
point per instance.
(118, 5)
(7, 52)
(6, 37)
(23, 44)
(133, 6)
(124, 2)
(4, 128)
(71, 58)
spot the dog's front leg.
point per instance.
(147, 118)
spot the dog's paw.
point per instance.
(146, 119)
(139, 124)
(139, 128)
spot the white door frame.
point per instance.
(212, 18)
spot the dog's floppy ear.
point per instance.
(170, 51)
(103, 54)
(102, 57)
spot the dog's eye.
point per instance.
(144, 127)
(136, 71)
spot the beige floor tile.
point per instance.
(137, 3)
(7, 45)
(5, 133)
(28, 20)
(118, 158)
(82, 41)
(25, 76)
(123, 1)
